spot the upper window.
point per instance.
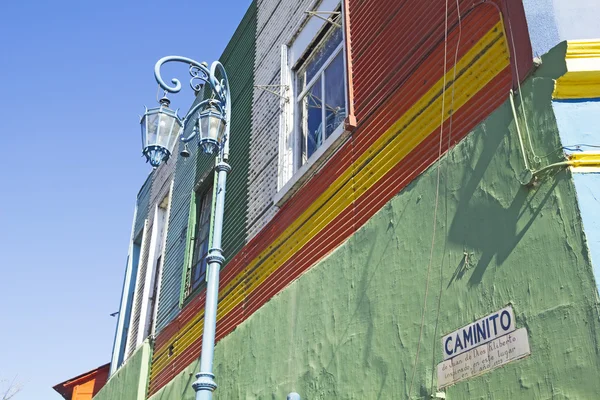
(311, 124)
(320, 91)
(199, 240)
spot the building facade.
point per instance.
(84, 386)
(412, 211)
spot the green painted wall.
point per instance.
(349, 327)
(131, 380)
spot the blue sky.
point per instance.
(75, 77)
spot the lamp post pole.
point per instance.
(213, 137)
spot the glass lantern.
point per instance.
(161, 127)
(211, 128)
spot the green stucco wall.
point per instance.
(349, 327)
(131, 380)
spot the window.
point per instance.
(320, 91)
(199, 241)
(314, 111)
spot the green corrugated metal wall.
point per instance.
(238, 59)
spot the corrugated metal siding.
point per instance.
(143, 199)
(238, 61)
(378, 110)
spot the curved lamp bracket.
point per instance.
(200, 72)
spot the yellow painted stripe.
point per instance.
(585, 162)
(474, 71)
(587, 49)
(582, 79)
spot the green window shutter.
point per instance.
(189, 248)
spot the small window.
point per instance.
(320, 93)
(201, 234)
(199, 241)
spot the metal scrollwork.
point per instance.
(197, 74)
(200, 76)
(200, 67)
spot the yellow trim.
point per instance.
(473, 72)
(582, 79)
(585, 162)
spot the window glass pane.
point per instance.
(323, 51)
(335, 104)
(152, 121)
(310, 119)
(168, 130)
(300, 82)
(163, 129)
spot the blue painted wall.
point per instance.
(579, 127)
(552, 21)
(578, 122)
(588, 195)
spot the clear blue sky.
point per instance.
(75, 76)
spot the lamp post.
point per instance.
(211, 129)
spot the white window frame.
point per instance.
(292, 173)
(163, 248)
(159, 228)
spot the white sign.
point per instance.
(479, 332)
(484, 358)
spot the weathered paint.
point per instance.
(360, 178)
(349, 326)
(130, 381)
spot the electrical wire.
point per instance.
(537, 159)
(447, 161)
(437, 193)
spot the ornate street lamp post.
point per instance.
(211, 130)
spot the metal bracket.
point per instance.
(269, 88)
(319, 14)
